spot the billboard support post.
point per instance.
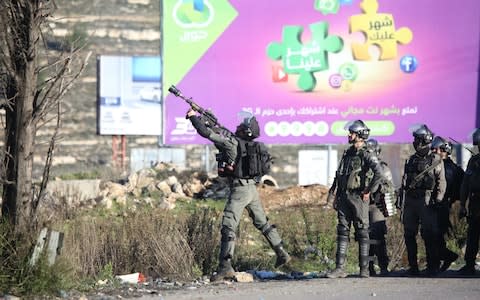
(119, 151)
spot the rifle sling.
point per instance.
(422, 174)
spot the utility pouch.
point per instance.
(354, 181)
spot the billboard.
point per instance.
(129, 100)
(305, 68)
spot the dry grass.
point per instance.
(153, 242)
(183, 244)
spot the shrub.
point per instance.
(18, 276)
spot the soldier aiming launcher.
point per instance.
(206, 115)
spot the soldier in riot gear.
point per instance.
(352, 197)
(424, 189)
(454, 177)
(377, 213)
(243, 192)
(470, 191)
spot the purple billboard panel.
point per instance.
(306, 68)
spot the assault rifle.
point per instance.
(401, 199)
(458, 143)
(400, 203)
(207, 116)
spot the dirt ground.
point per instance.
(275, 198)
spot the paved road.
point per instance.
(322, 288)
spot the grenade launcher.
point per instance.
(207, 116)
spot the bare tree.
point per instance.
(33, 86)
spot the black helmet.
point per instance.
(442, 144)
(422, 134)
(476, 137)
(249, 125)
(359, 128)
(372, 145)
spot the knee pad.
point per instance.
(343, 231)
(228, 220)
(228, 235)
(265, 229)
(361, 235)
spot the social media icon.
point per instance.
(335, 81)
(278, 74)
(408, 63)
(348, 71)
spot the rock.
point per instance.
(243, 277)
(164, 187)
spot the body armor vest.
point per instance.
(353, 172)
(253, 160)
(415, 165)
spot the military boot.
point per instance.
(383, 259)
(339, 272)
(449, 259)
(227, 247)
(282, 256)
(225, 271)
(363, 258)
(371, 269)
(468, 269)
(384, 270)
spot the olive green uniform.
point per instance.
(243, 195)
(352, 182)
(422, 200)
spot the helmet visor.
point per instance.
(244, 117)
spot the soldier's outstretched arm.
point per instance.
(207, 132)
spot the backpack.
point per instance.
(253, 159)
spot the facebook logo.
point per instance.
(408, 63)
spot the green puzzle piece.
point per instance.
(327, 6)
(305, 59)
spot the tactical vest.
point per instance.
(354, 174)
(253, 159)
(415, 166)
